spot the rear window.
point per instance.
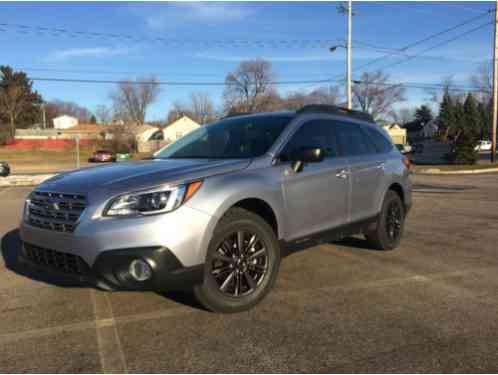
(352, 140)
(381, 143)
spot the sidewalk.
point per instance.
(24, 180)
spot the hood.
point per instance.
(128, 176)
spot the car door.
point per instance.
(315, 199)
(366, 169)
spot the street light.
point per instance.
(348, 71)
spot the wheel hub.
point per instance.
(240, 263)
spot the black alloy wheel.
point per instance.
(393, 221)
(240, 263)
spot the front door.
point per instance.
(317, 197)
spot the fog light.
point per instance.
(140, 270)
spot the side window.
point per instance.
(352, 140)
(314, 133)
(382, 144)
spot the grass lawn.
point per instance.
(43, 161)
(48, 161)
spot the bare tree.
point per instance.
(56, 108)
(202, 107)
(404, 115)
(321, 95)
(103, 114)
(447, 85)
(249, 88)
(374, 94)
(131, 99)
(482, 80)
(178, 110)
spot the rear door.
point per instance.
(366, 169)
(315, 198)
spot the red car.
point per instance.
(102, 156)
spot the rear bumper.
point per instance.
(110, 271)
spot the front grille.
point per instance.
(63, 262)
(55, 211)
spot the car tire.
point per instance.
(388, 229)
(233, 282)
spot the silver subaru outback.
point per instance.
(215, 211)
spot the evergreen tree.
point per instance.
(423, 114)
(18, 101)
(446, 117)
(487, 119)
(466, 123)
(484, 123)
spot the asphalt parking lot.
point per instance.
(429, 306)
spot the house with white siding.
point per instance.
(65, 122)
(179, 128)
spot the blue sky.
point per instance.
(292, 35)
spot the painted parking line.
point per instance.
(111, 353)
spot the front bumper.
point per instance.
(174, 244)
(185, 231)
(111, 268)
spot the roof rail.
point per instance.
(236, 114)
(334, 110)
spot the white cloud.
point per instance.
(94, 52)
(195, 12)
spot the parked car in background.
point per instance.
(408, 148)
(219, 207)
(483, 145)
(102, 156)
(404, 149)
(418, 148)
(4, 169)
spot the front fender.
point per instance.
(218, 194)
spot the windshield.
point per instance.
(235, 138)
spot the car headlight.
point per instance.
(151, 202)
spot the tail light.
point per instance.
(407, 162)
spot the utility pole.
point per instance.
(347, 9)
(495, 89)
(77, 151)
(44, 116)
(350, 25)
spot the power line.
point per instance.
(167, 83)
(411, 57)
(237, 43)
(213, 83)
(425, 39)
(424, 86)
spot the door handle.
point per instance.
(342, 174)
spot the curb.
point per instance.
(436, 171)
(24, 180)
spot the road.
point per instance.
(429, 306)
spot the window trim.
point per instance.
(297, 128)
(362, 130)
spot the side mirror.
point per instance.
(306, 155)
